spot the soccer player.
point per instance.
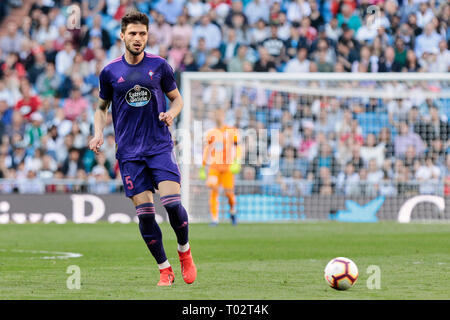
(222, 154)
(135, 85)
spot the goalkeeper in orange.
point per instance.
(221, 156)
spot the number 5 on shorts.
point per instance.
(129, 183)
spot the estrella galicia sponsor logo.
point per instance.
(138, 96)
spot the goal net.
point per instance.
(320, 146)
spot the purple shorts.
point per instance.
(141, 175)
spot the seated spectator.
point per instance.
(356, 159)
(99, 181)
(196, 9)
(387, 62)
(201, 53)
(308, 141)
(34, 162)
(17, 126)
(29, 103)
(188, 63)
(274, 45)
(406, 138)
(52, 141)
(265, 62)
(207, 30)
(345, 57)
(307, 31)
(75, 105)
(256, 10)
(298, 9)
(31, 184)
(176, 52)
(289, 161)
(412, 63)
(300, 64)
(13, 65)
(443, 57)
(322, 63)
(323, 124)
(427, 41)
(214, 62)
(371, 150)
(384, 136)
(348, 17)
(236, 63)
(424, 15)
(347, 181)
(12, 41)
(428, 175)
(170, 9)
(229, 46)
(284, 26)
(354, 136)
(438, 129)
(35, 130)
(410, 159)
(102, 161)
(259, 32)
(72, 163)
(65, 58)
(5, 114)
(161, 30)
(90, 8)
(387, 187)
(294, 41)
(97, 31)
(48, 82)
(46, 30)
(183, 30)
(400, 53)
(324, 184)
(325, 158)
(374, 173)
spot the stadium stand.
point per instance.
(49, 80)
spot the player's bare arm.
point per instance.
(175, 107)
(99, 124)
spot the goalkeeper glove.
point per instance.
(202, 173)
(235, 167)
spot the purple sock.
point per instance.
(150, 231)
(177, 216)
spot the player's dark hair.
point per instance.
(134, 17)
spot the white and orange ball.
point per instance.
(341, 273)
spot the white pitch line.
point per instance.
(56, 254)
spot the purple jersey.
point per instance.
(137, 96)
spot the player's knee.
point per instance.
(212, 181)
(142, 198)
(229, 192)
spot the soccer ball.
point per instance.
(341, 273)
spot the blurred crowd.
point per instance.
(330, 147)
(50, 62)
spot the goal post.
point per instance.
(289, 103)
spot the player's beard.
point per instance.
(130, 49)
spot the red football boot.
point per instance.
(188, 269)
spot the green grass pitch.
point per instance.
(250, 261)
